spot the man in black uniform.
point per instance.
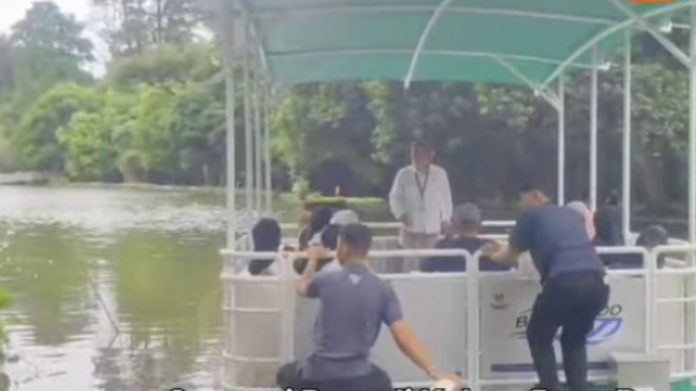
(573, 288)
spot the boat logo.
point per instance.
(607, 325)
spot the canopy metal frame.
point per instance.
(258, 81)
(244, 48)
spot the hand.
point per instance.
(316, 252)
(489, 249)
(448, 382)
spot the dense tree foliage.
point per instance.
(134, 26)
(158, 116)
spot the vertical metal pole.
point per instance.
(626, 162)
(561, 139)
(248, 136)
(229, 58)
(692, 167)
(593, 130)
(258, 178)
(267, 149)
(230, 182)
(692, 130)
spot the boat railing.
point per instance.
(652, 310)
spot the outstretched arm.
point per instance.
(409, 344)
(305, 285)
(501, 254)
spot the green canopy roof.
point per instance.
(504, 41)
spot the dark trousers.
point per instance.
(290, 377)
(571, 302)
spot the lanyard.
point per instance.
(424, 185)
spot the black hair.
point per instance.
(607, 222)
(266, 235)
(329, 237)
(357, 236)
(613, 198)
(652, 236)
(320, 218)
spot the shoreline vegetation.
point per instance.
(673, 214)
(158, 116)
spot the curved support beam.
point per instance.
(453, 53)
(425, 8)
(549, 96)
(659, 37)
(421, 41)
(607, 32)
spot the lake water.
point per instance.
(113, 289)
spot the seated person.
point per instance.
(649, 238)
(466, 222)
(607, 222)
(329, 240)
(354, 302)
(266, 235)
(319, 219)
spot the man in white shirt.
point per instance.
(421, 199)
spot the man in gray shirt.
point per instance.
(354, 304)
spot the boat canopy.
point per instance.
(526, 42)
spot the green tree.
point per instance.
(200, 126)
(46, 48)
(37, 138)
(151, 139)
(47, 29)
(137, 25)
(89, 147)
(165, 63)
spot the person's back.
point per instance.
(574, 290)
(350, 317)
(466, 222)
(458, 264)
(558, 241)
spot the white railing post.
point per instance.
(561, 140)
(474, 319)
(593, 129)
(626, 159)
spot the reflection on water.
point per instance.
(113, 289)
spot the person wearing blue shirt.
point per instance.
(573, 288)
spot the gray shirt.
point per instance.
(354, 304)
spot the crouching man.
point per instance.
(354, 304)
